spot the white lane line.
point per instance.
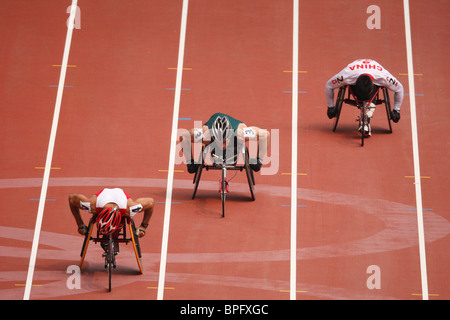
(412, 102)
(48, 161)
(173, 143)
(293, 259)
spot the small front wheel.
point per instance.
(364, 123)
(223, 190)
(109, 259)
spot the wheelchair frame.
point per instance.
(220, 164)
(110, 241)
(353, 101)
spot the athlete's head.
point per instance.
(109, 220)
(363, 87)
(222, 130)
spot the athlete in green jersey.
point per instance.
(225, 131)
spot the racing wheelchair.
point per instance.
(362, 105)
(224, 162)
(110, 243)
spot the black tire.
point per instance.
(223, 194)
(86, 240)
(198, 174)
(136, 239)
(110, 273)
(387, 104)
(250, 176)
(339, 103)
(363, 124)
(109, 258)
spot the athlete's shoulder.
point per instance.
(216, 115)
(98, 193)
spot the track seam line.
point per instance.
(418, 189)
(48, 161)
(173, 142)
(293, 253)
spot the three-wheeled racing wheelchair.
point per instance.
(237, 160)
(110, 243)
(363, 106)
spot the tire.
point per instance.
(339, 103)
(223, 193)
(250, 176)
(109, 258)
(136, 245)
(198, 174)
(387, 104)
(87, 238)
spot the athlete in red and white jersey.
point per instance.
(115, 196)
(371, 70)
(111, 198)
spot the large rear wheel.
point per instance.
(339, 103)
(387, 104)
(249, 173)
(136, 245)
(363, 123)
(87, 238)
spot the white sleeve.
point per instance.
(344, 78)
(329, 94)
(335, 82)
(394, 85)
(135, 209)
(398, 97)
(397, 87)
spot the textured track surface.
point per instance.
(356, 205)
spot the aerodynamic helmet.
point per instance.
(221, 129)
(109, 220)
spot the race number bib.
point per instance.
(249, 133)
(198, 135)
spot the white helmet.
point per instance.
(221, 129)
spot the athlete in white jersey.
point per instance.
(111, 198)
(115, 196)
(364, 76)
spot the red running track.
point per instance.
(357, 205)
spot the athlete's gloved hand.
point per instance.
(331, 112)
(82, 230)
(395, 115)
(140, 232)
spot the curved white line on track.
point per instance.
(399, 233)
(94, 277)
(399, 220)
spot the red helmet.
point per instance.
(109, 220)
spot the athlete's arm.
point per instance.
(240, 133)
(141, 204)
(77, 202)
(337, 81)
(393, 84)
